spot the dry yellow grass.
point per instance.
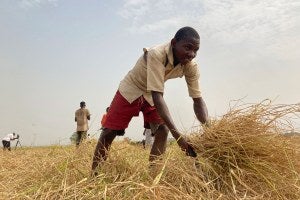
(240, 156)
(245, 153)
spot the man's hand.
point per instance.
(191, 152)
(186, 147)
(182, 144)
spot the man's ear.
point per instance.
(173, 42)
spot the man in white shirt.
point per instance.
(6, 140)
(148, 138)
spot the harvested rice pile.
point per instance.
(242, 155)
(245, 154)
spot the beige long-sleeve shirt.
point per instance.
(151, 71)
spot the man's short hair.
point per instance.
(82, 104)
(186, 32)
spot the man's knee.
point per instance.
(164, 128)
(161, 132)
(158, 128)
(107, 135)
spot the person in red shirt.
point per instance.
(104, 118)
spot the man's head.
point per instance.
(82, 104)
(14, 134)
(185, 45)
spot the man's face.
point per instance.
(185, 50)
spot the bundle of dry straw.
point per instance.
(246, 154)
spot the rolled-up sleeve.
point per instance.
(155, 72)
(192, 76)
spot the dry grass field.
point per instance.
(242, 155)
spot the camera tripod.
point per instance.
(18, 143)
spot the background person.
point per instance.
(82, 115)
(104, 118)
(148, 141)
(6, 140)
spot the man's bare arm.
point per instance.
(200, 110)
(164, 113)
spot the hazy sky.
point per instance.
(56, 53)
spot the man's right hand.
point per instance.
(182, 144)
(191, 152)
(186, 147)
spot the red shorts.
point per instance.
(121, 112)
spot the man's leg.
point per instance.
(118, 117)
(8, 146)
(106, 138)
(160, 142)
(83, 136)
(79, 135)
(144, 144)
(4, 144)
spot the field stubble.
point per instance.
(242, 155)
